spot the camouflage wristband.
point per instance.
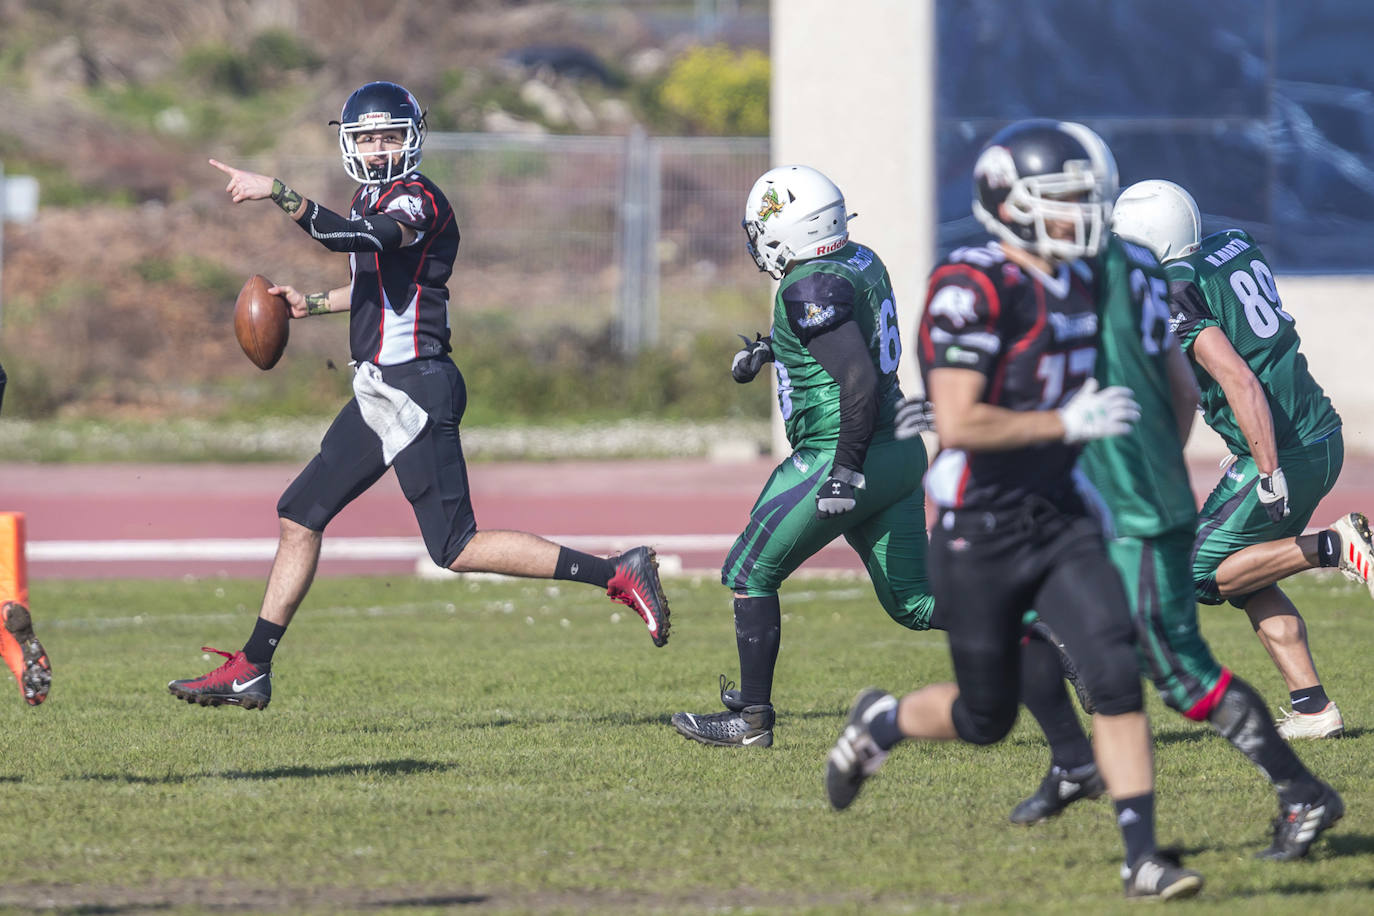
(317, 304)
(284, 197)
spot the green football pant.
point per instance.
(886, 528)
(1159, 585)
(1233, 518)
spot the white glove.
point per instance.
(1273, 495)
(1093, 414)
(914, 416)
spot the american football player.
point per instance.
(1283, 434)
(835, 346)
(401, 238)
(24, 655)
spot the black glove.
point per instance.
(836, 496)
(1273, 494)
(756, 354)
(914, 416)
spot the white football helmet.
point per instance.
(793, 213)
(1159, 215)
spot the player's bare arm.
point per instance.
(303, 305)
(1214, 353)
(964, 421)
(1183, 390)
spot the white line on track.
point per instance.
(333, 548)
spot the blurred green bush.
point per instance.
(719, 91)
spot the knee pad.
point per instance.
(983, 727)
(1115, 687)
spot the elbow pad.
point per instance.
(376, 232)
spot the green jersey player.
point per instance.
(835, 347)
(1143, 480)
(1282, 432)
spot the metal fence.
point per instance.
(584, 231)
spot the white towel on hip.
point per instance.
(387, 410)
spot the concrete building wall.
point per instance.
(852, 97)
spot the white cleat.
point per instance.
(1357, 550)
(1324, 724)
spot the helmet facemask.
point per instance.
(395, 162)
(1073, 198)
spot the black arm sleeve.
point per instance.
(370, 233)
(841, 351)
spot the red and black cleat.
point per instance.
(237, 682)
(635, 584)
(24, 653)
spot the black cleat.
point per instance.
(25, 655)
(751, 726)
(1059, 789)
(856, 756)
(237, 682)
(635, 584)
(1160, 876)
(1298, 826)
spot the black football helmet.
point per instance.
(381, 106)
(1045, 171)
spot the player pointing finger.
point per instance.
(244, 185)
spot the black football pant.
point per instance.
(988, 569)
(431, 470)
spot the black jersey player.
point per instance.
(1007, 346)
(401, 238)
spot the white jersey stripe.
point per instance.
(399, 332)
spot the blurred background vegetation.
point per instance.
(117, 299)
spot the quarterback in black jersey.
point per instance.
(401, 239)
(1007, 346)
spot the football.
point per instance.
(261, 322)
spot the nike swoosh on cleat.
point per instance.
(240, 688)
(647, 614)
(751, 739)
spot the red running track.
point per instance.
(695, 507)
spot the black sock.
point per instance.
(758, 631)
(1328, 548)
(1136, 818)
(583, 567)
(1043, 693)
(1242, 718)
(1309, 699)
(883, 728)
(263, 642)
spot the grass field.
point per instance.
(482, 746)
